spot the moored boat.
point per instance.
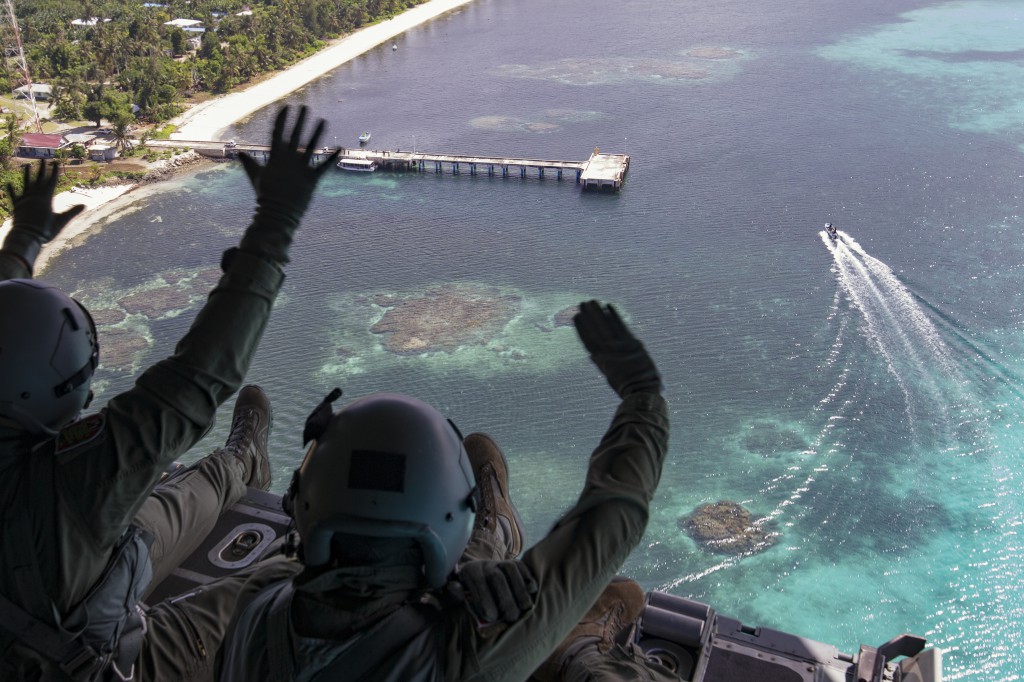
(353, 164)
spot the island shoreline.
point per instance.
(210, 118)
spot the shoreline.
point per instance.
(207, 120)
(103, 202)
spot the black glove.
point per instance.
(34, 222)
(498, 590)
(616, 352)
(284, 187)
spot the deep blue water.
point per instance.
(864, 396)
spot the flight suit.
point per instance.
(572, 565)
(103, 468)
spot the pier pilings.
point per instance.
(598, 172)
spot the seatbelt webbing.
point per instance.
(279, 639)
(73, 657)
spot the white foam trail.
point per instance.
(893, 322)
(898, 328)
(870, 301)
(908, 306)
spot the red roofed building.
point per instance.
(40, 145)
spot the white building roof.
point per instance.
(183, 23)
(37, 90)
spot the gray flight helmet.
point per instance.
(387, 466)
(48, 353)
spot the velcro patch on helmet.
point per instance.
(375, 470)
(81, 432)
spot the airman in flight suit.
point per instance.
(86, 527)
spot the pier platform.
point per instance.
(601, 172)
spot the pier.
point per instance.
(598, 172)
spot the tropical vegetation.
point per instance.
(103, 56)
(130, 61)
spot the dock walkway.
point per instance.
(599, 172)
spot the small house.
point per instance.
(37, 91)
(102, 152)
(41, 145)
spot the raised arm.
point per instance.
(34, 222)
(284, 187)
(173, 402)
(588, 546)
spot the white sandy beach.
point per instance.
(205, 121)
(93, 199)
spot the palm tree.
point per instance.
(121, 128)
(62, 155)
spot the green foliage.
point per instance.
(68, 99)
(15, 178)
(128, 175)
(62, 155)
(138, 55)
(105, 103)
(163, 133)
(10, 141)
(122, 130)
(11, 177)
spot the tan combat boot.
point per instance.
(616, 610)
(497, 516)
(250, 427)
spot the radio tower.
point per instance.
(23, 64)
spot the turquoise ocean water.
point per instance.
(864, 397)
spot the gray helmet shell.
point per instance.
(48, 353)
(391, 466)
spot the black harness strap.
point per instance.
(279, 638)
(78, 661)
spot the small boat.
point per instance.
(361, 165)
(393, 47)
(364, 138)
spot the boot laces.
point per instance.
(243, 429)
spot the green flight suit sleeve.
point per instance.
(105, 480)
(582, 553)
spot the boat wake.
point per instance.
(956, 401)
(899, 330)
(910, 469)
